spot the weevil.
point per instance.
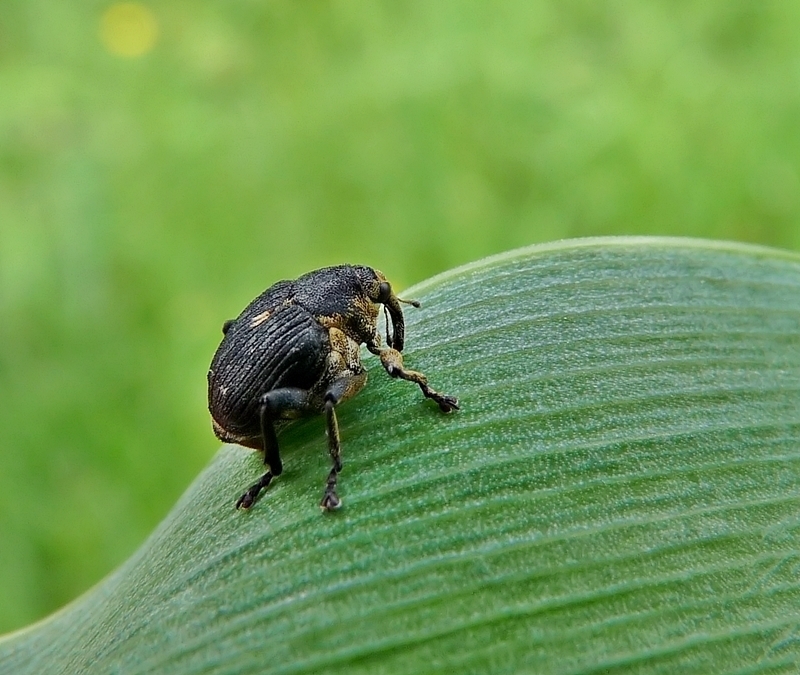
(295, 351)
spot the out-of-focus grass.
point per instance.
(145, 199)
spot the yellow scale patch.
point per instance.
(261, 318)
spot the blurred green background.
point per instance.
(162, 163)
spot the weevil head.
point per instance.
(346, 297)
(379, 291)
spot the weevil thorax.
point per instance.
(343, 297)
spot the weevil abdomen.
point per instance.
(287, 349)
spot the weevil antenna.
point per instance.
(413, 303)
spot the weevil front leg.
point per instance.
(275, 405)
(341, 389)
(392, 361)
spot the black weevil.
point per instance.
(295, 351)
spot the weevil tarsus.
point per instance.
(251, 494)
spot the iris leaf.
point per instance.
(620, 492)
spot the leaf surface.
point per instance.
(619, 493)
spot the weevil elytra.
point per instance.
(295, 351)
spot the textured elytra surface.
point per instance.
(619, 493)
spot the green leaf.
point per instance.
(619, 493)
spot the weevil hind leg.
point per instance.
(341, 389)
(275, 405)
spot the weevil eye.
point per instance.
(384, 292)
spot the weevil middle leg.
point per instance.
(343, 388)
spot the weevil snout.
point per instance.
(380, 292)
(396, 339)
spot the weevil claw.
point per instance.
(330, 502)
(245, 501)
(448, 404)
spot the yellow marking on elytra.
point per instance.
(261, 318)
